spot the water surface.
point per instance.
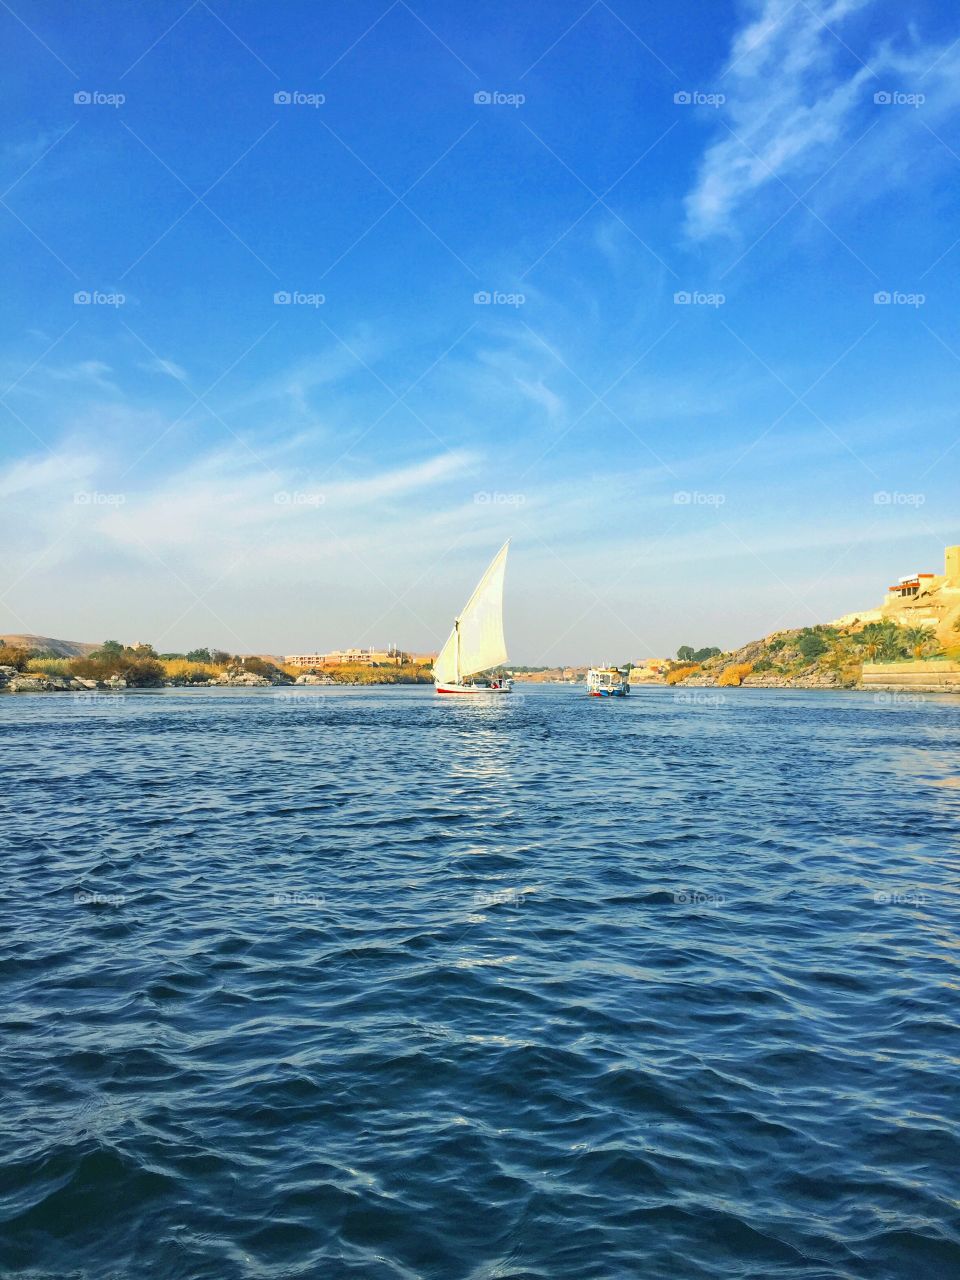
(336, 983)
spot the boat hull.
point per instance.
(608, 693)
(470, 689)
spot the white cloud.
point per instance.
(221, 506)
(207, 554)
(159, 365)
(800, 90)
(403, 481)
(337, 365)
(38, 481)
(94, 372)
(541, 395)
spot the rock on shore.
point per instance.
(821, 680)
(14, 681)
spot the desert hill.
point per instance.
(47, 644)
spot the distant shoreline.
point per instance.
(684, 693)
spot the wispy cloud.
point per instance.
(158, 364)
(221, 504)
(800, 89)
(91, 372)
(40, 480)
(298, 383)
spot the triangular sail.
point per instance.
(480, 641)
(445, 666)
(482, 645)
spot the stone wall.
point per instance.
(936, 676)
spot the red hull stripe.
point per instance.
(472, 692)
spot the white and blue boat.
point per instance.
(607, 682)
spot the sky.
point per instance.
(307, 308)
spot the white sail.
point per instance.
(476, 642)
(445, 666)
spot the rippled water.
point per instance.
(370, 983)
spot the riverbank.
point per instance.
(26, 669)
(874, 655)
(12, 682)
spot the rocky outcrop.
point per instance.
(21, 683)
(765, 680)
(821, 681)
(14, 681)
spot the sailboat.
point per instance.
(476, 643)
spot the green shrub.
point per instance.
(138, 667)
(686, 653)
(811, 643)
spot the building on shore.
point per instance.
(389, 657)
(917, 599)
(922, 599)
(648, 669)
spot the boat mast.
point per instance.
(456, 652)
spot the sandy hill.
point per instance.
(62, 648)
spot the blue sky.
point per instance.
(185, 459)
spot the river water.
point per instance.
(364, 982)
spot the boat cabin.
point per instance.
(607, 681)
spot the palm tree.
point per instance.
(917, 640)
